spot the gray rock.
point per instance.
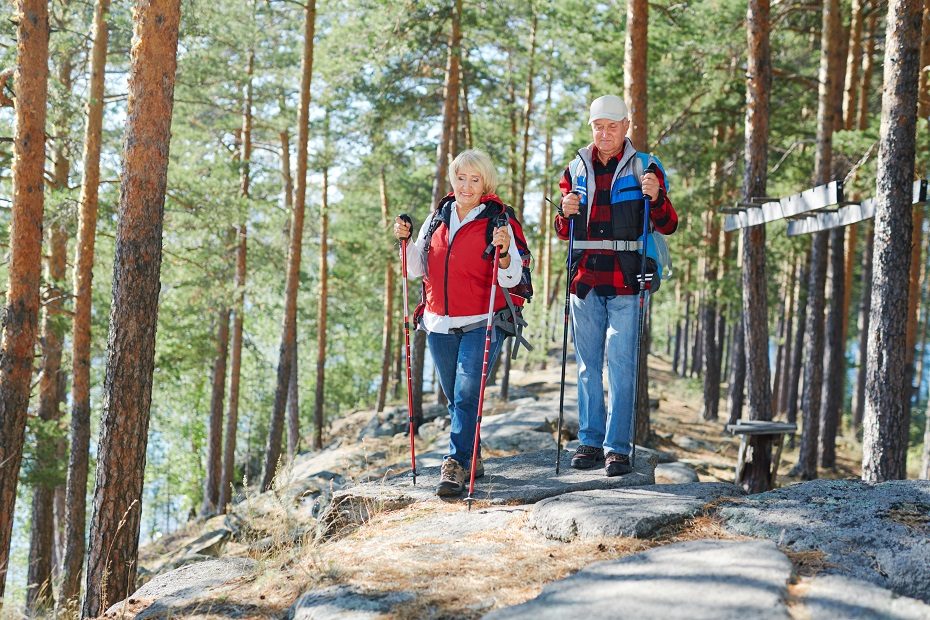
(675, 473)
(836, 596)
(665, 457)
(713, 579)
(521, 479)
(519, 430)
(346, 603)
(638, 512)
(875, 532)
(171, 594)
(691, 444)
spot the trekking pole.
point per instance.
(403, 267)
(489, 327)
(568, 288)
(644, 285)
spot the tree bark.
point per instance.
(865, 308)
(835, 354)
(211, 488)
(886, 422)
(20, 317)
(388, 329)
(711, 405)
(756, 476)
(853, 63)
(293, 406)
(868, 64)
(227, 478)
(806, 467)
(276, 427)
(737, 380)
(114, 534)
(635, 71)
(321, 317)
(913, 296)
(798, 348)
(76, 486)
(527, 119)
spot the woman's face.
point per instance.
(468, 187)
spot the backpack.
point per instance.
(509, 319)
(657, 248)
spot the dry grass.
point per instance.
(459, 578)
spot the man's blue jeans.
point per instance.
(612, 321)
(459, 359)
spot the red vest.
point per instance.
(458, 278)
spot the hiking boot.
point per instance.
(451, 478)
(618, 464)
(479, 469)
(587, 457)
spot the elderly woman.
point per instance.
(449, 253)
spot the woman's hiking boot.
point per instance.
(479, 469)
(587, 457)
(451, 478)
(618, 464)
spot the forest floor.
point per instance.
(383, 553)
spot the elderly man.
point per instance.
(602, 193)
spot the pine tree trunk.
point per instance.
(781, 387)
(868, 64)
(293, 406)
(20, 317)
(756, 476)
(518, 200)
(211, 488)
(276, 427)
(913, 296)
(227, 477)
(886, 422)
(865, 309)
(76, 486)
(737, 380)
(798, 348)
(544, 266)
(388, 300)
(635, 71)
(39, 595)
(835, 354)
(853, 63)
(319, 400)
(235, 365)
(114, 533)
(806, 467)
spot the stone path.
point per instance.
(712, 579)
(874, 532)
(638, 512)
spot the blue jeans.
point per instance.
(459, 359)
(612, 321)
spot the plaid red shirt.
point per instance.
(599, 270)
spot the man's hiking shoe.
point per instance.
(479, 469)
(587, 457)
(451, 478)
(618, 464)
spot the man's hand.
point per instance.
(650, 184)
(571, 204)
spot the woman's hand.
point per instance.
(501, 238)
(401, 230)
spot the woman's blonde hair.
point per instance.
(479, 161)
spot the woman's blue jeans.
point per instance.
(612, 322)
(459, 358)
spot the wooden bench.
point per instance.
(746, 428)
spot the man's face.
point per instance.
(609, 135)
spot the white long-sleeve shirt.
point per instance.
(416, 267)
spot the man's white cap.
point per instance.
(608, 107)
